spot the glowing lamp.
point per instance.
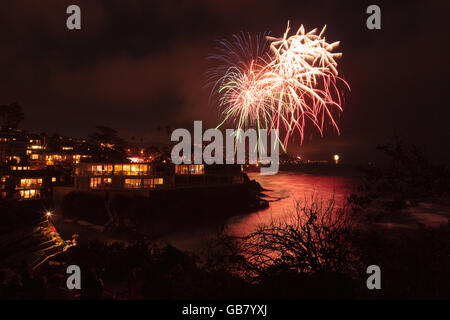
(336, 158)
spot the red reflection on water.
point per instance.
(286, 187)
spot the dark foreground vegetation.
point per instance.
(319, 250)
(414, 266)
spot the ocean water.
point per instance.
(283, 190)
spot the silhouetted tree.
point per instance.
(12, 115)
(106, 134)
(407, 178)
(314, 239)
(54, 142)
(107, 145)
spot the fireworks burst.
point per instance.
(279, 83)
(237, 79)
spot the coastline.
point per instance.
(161, 213)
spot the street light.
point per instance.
(48, 214)
(336, 158)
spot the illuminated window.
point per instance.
(195, 169)
(100, 183)
(53, 179)
(143, 169)
(152, 183)
(131, 169)
(102, 169)
(181, 169)
(147, 183)
(32, 182)
(30, 194)
(118, 168)
(55, 157)
(34, 156)
(95, 182)
(133, 183)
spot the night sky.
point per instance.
(136, 65)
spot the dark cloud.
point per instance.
(137, 65)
